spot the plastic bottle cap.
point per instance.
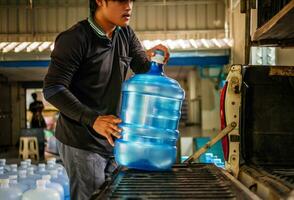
(2, 161)
(52, 159)
(53, 173)
(22, 173)
(46, 177)
(13, 165)
(59, 168)
(41, 183)
(28, 161)
(30, 169)
(4, 181)
(50, 162)
(158, 57)
(12, 177)
(42, 165)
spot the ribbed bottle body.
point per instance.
(150, 114)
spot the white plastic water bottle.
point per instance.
(42, 169)
(29, 163)
(64, 182)
(23, 179)
(41, 192)
(62, 174)
(13, 170)
(53, 161)
(8, 193)
(53, 185)
(23, 165)
(2, 175)
(3, 164)
(13, 183)
(31, 175)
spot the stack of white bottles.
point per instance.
(22, 182)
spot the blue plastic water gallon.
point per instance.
(53, 185)
(150, 113)
(7, 192)
(41, 192)
(29, 164)
(25, 180)
(42, 169)
(3, 164)
(13, 183)
(62, 181)
(13, 170)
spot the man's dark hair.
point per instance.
(34, 96)
(93, 5)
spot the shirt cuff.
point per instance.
(88, 117)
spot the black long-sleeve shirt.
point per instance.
(84, 81)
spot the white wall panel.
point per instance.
(172, 17)
(49, 17)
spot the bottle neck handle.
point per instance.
(156, 68)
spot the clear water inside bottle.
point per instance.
(150, 112)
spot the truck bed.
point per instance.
(196, 181)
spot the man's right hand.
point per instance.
(106, 126)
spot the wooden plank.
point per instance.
(279, 27)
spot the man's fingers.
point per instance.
(116, 121)
(110, 140)
(111, 131)
(116, 134)
(115, 128)
(111, 119)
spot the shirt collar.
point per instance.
(98, 29)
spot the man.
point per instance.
(88, 65)
(36, 107)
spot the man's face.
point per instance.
(116, 12)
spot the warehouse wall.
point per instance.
(210, 105)
(157, 19)
(194, 97)
(237, 28)
(18, 110)
(285, 56)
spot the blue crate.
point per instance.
(213, 155)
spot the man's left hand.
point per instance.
(150, 52)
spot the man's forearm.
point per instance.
(60, 97)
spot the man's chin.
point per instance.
(123, 24)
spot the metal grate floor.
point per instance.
(285, 174)
(199, 181)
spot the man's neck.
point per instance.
(107, 27)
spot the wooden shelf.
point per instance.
(279, 30)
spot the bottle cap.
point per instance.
(30, 169)
(13, 165)
(46, 177)
(4, 181)
(41, 165)
(2, 161)
(52, 159)
(53, 173)
(158, 56)
(12, 177)
(28, 161)
(41, 183)
(24, 164)
(22, 173)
